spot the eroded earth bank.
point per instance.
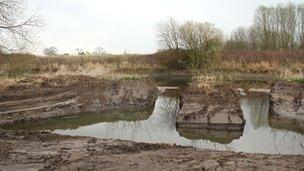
(287, 105)
(41, 98)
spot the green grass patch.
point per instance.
(298, 80)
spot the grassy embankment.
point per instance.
(244, 68)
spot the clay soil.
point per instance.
(43, 150)
(46, 151)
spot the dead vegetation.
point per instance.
(248, 66)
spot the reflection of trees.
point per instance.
(166, 112)
(259, 108)
(219, 136)
(74, 122)
(283, 139)
(210, 145)
(163, 117)
(160, 127)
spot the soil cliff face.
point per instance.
(217, 109)
(287, 102)
(39, 97)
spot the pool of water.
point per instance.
(158, 126)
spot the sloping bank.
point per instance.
(40, 97)
(287, 105)
(45, 151)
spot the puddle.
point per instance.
(158, 126)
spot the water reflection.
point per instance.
(223, 137)
(259, 136)
(74, 122)
(258, 105)
(159, 127)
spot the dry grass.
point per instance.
(90, 69)
(286, 64)
(249, 67)
(5, 82)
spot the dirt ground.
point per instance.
(46, 151)
(38, 98)
(209, 107)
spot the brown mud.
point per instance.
(40, 97)
(216, 108)
(287, 103)
(46, 151)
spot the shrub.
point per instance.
(298, 80)
(200, 43)
(203, 42)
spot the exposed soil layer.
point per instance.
(217, 109)
(287, 102)
(46, 151)
(40, 97)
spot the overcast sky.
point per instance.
(129, 25)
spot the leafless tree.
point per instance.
(80, 52)
(200, 42)
(286, 26)
(300, 18)
(17, 26)
(168, 34)
(264, 24)
(99, 51)
(203, 42)
(274, 28)
(240, 39)
(50, 51)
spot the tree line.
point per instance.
(273, 28)
(53, 51)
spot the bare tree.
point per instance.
(286, 26)
(99, 51)
(50, 51)
(274, 28)
(300, 19)
(240, 39)
(200, 43)
(80, 52)
(264, 24)
(16, 27)
(168, 34)
(203, 42)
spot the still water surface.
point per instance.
(159, 127)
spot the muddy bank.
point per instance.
(217, 109)
(39, 97)
(287, 102)
(222, 137)
(46, 151)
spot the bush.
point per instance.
(298, 80)
(200, 43)
(203, 42)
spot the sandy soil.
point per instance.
(46, 151)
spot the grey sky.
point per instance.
(119, 25)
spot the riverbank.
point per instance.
(41, 88)
(47, 151)
(37, 98)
